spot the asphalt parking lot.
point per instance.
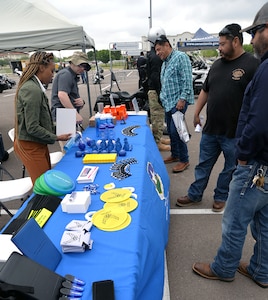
(195, 233)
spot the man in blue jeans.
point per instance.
(176, 93)
(248, 196)
(223, 93)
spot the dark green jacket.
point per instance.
(34, 116)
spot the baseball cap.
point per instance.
(79, 58)
(232, 30)
(260, 18)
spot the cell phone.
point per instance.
(103, 290)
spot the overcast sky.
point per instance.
(109, 21)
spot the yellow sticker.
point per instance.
(42, 217)
(116, 195)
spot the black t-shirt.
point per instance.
(66, 81)
(225, 85)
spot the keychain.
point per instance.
(258, 179)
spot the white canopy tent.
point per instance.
(31, 25)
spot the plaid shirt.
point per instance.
(176, 80)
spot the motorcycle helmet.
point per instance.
(154, 33)
(260, 18)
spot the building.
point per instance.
(175, 40)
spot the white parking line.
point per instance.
(166, 294)
(187, 211)
(10, 150)
(8, 95)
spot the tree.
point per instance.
(104, 55)
(248, 48)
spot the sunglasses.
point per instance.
(161, 39)
(225, 31)
(254, 30)
(86, 67)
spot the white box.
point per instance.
(77, 202)
(87, 174)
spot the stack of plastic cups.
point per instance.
(111, 132)
(97, 123)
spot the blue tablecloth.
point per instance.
(133, 257)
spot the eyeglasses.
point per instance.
(85, 66)
(225, 31)
(254, 30)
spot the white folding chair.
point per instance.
(14, 189)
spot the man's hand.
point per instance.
(79, 102)
(180, 105)
(197, 121)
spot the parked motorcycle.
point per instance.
(123, 97)
(199, 74)
(98, 77)
(18, 72)
(6, 83)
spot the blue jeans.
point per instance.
(211, 147)
(179, 149)
(246, 205)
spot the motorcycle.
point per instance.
(6, 83)
(123, 97)
(98, 77)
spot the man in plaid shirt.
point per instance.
(176, 94)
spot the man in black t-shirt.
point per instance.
(223, 93)
(141, 66)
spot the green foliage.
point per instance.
(4, 62)
(104, 55)
(209, 53)
(248, 48)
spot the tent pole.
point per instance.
(88, 89)
(97, 70)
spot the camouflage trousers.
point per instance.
(157, 115)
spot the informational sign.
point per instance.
(125, 46)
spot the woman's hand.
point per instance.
(64, 137)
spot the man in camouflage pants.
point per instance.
(157, 114)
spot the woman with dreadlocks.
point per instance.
(34, 128)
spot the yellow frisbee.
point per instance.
(127, 205)
(109, 218)
(122, 226)
(116, 195)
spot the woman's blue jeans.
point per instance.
(211, 146)
(246, 205)
(179, 148)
